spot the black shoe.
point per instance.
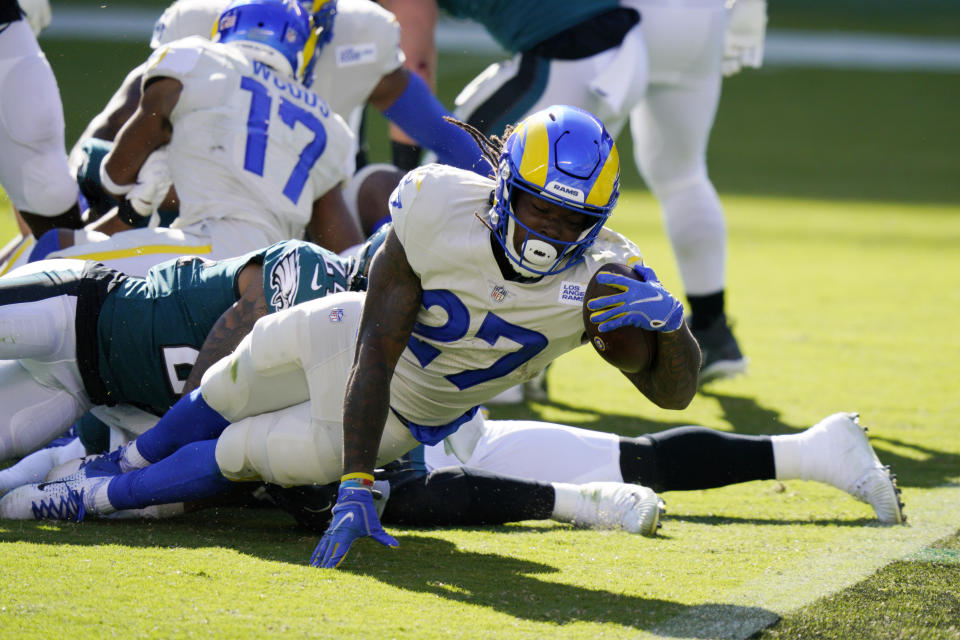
(721, 353)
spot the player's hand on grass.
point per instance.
(642, 303)
(354, 516)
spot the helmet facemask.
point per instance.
(564, 156)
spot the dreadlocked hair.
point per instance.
(491, 147)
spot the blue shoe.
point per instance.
(92, 466)
(107, 464)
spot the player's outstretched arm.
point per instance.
(232, 325)
(406, 100)
(389, 313)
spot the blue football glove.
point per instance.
(643, 303)
(354, 516)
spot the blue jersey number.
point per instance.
(258, 125)
(491, 329)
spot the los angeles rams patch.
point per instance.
(351, 55)
(572, 293)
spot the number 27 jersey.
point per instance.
(477, 332)
(249, 143)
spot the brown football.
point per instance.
(630, 349)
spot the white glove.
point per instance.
(743, 41)
(153, 183)
(38, 14)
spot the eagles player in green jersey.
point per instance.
(74, 334)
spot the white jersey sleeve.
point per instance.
(185, 18)
(364, 48)
(479, 330)
(248, 143)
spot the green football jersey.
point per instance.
(150, 330)
(296, 271)
(518, 25)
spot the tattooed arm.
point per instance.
(389, 313)
(233, 324)
(671, 380)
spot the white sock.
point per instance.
(566, 501)
(96, 500)
(131, 459)
(793, 456)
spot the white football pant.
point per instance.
(33, 156)
(537, 450)
(283, 389)
(41, 390)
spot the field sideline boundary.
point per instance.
(821, 572)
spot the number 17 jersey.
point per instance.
(249, 143)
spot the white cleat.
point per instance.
(614, 505)
(854, 466)
(44, 501)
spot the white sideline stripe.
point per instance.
(784, 48)
(840, 562)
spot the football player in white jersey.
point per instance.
(477, 287)
(256, 157)
(357, 59)
(655, 64)
(474, 476)
(33, 162)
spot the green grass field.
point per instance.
(844, 217)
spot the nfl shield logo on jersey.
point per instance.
(498, 294)
(336, 315)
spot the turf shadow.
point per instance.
(745, 414)
(513, 586)
(935, 468)
(270, 534)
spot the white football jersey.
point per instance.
(478, 333)
(364, 48)
(249, 143)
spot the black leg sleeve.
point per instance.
(465, 496)
(689, 458)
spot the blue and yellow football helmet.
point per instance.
(564, 155)
(322, 14)
(277, 31)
